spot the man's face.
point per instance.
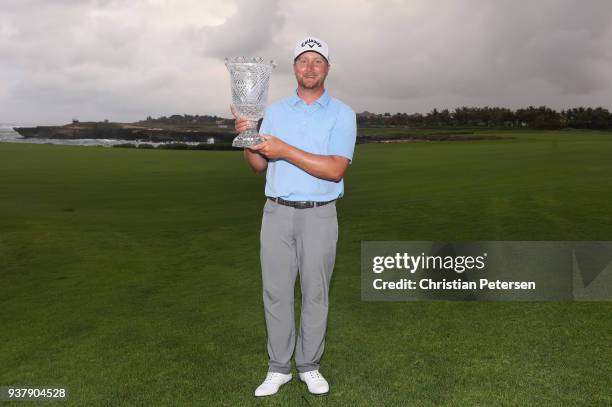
(310, 70)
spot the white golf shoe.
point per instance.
(273, 382)
(316, 382)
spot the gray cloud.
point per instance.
(486, 49)
(251, 29)
(123, 60)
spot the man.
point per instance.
(309, 140)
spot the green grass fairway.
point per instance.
(132, 276)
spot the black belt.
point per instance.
(299, 204)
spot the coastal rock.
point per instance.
(117, 131)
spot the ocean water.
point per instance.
(8, 135)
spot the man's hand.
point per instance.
(242, 124)
(256, 161)
(272, 148)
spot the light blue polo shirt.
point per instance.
(325, 127)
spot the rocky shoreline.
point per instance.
(141, 134)
(124, 132)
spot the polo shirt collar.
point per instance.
(323, 100)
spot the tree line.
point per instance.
(541, 117)
(187, 119)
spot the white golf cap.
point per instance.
(311, 44)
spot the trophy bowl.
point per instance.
(250, 80)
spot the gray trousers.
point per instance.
(297, 241)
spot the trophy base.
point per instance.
(247, 139)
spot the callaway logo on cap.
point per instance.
(311, 44)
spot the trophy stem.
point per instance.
(247, 139)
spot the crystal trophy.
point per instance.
(250, 78)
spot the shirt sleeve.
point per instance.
(344, 134)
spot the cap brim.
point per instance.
(310, 50)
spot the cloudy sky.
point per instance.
(123, 60)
